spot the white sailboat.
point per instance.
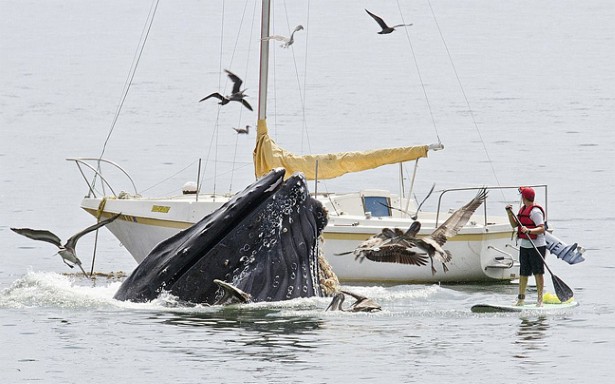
(482, 251)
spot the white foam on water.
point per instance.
(50, 289)
(53, 290)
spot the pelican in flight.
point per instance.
(433, 243)
(67, 250)
(361, 304)
(237, 93)
(392, 246)
(242, 131)
(385, 28)
(288, 41)
(396, 246)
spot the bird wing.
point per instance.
(355, 295)
(373, 242)
(387, 233)
(414, 229)
(458, 219)
(215, 94)
(401, 25)
(39, 234)
(336, 302)
(396, 253)
(278, 38)
(235, 79)
(362, 303)
(246, 104)
(378, 19)
(72, 241)
(434, 247)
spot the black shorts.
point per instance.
(531, 262)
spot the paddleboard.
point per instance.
(528, 306)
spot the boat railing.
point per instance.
(485, 204)
(97, 171)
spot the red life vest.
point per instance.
(526, 221)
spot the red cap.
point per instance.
(528, 193)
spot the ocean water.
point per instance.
(540, 91)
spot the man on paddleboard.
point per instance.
(531, 216)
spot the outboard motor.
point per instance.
(572, 254)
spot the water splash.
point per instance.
(48, 289)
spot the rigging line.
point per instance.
(215, 130)
(305, 67)
(170, 177)
(131, 74)
(215, 135)
(176, 191)
(301, 93)
(304, 89)
(274, 76)
(416, 64)
(450, 58)
(230, 188)
(133, 69)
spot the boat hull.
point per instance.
(480, 253)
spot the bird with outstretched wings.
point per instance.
(433, 243)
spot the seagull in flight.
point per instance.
(236, 95)
(433, 243)
(67, 250)
(385, 28)
(288, 41)
(242, 131)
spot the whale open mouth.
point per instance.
(263, 241)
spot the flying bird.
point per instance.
(288, 41)
(67, 251)
(242, 131)
(237, 94)
(392, 246)
(385, 28)
(361, 304)
(433, 243)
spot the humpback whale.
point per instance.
(262, 245)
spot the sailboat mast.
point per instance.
(264, 61)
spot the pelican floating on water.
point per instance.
(361, 304)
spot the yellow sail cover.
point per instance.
(268, 155)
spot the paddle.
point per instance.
(563, 292)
